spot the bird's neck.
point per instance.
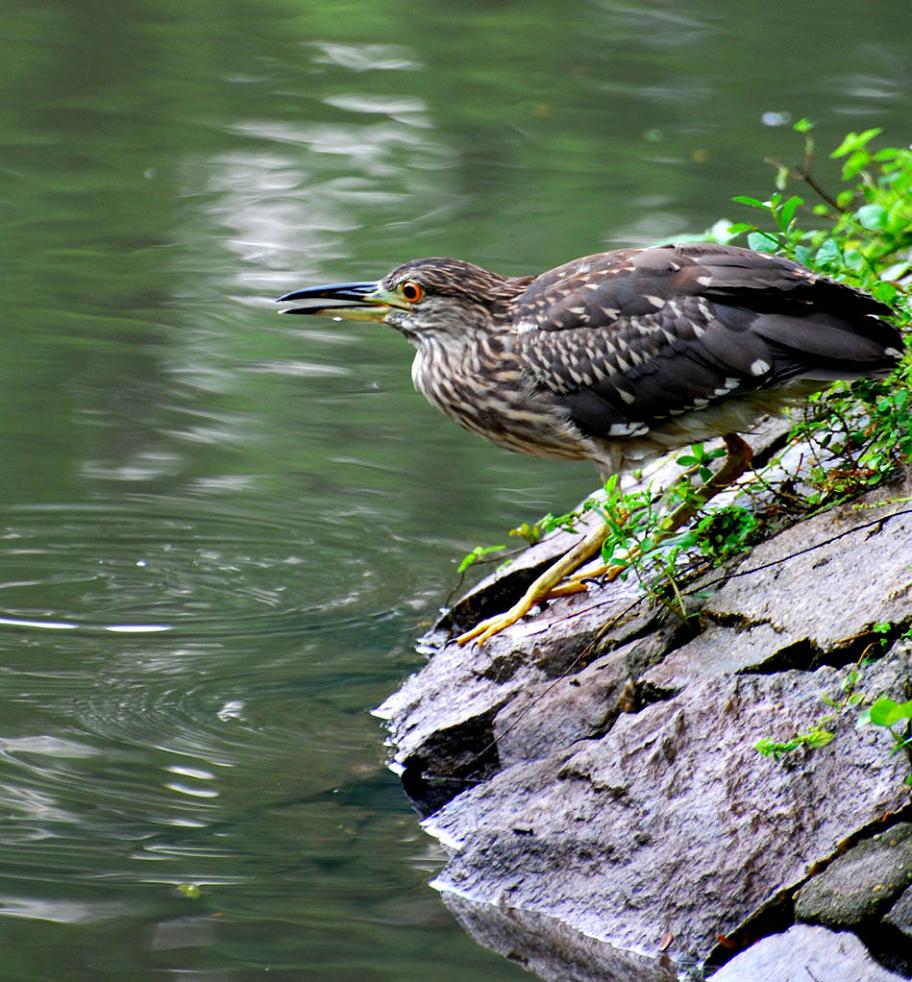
(447, 367)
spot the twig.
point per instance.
(802, 174)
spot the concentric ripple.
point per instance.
(183, 567)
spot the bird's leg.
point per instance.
(737, 458)
(583, 551)
(549, 583)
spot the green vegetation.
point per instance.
(863, 237)
(891, 715)
(820, 733)
(815, 736)
(861, 432)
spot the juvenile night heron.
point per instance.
(620, 356)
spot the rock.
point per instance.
(803, 593)
(672, 824)
(900, 915)
(718, 650)
(441, 720)
(805, 954)
(550, 949)
(545, 718)
(592, 769)
(797, 606)
(855, 887)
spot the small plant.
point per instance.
(724, 532)
(883, 629)
(812, 738)
(476, 555)
(862, 430)
(896, 717)
(818, 735)
(891, 715)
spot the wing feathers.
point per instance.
(628, 338)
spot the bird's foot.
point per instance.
(494, 625)
(533, 596)
(554, 583)
(578, 582)
(582, 552)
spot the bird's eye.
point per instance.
(411, 291)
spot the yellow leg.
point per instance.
(550, 582)
(540, 588)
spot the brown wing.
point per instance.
(631, 337)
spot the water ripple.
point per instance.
(191, 567)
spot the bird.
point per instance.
(620, 356)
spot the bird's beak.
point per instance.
(352, 301)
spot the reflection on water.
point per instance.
(220, 530)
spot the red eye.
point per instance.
(411, 291)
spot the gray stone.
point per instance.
(797, 606)
(572, 812)
(548, 948)
(672, 824)
(856, 886)
(806, 954)
(441, 720)
(804, 592)
(547, 717)
(900, 915)
(717, 651)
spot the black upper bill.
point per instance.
(338, 295)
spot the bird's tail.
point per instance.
(831, 347)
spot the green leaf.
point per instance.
(873, 217)
(479, 552)
(887, 712)
(787, 212)
(740, 227)
(845, 198)
(743, 199)
(762, 241)
(855, 164)
(884, 292)
(818, 737)
(853, 142)
(804, 125)
(828, 253)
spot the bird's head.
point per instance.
(423, 299)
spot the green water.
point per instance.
(221, 530)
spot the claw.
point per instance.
(494, 625)
(539, 590)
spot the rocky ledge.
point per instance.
(592, 771)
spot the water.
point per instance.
(220, 529)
